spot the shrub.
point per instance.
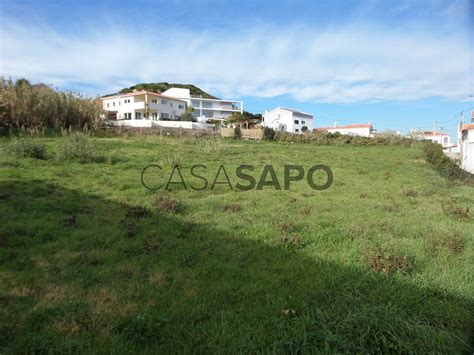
(27, 147)
(386, 261)
(77, 146)
(237, 133)
(187, 116)
(167, 204)
(445, 166)
(268, 134)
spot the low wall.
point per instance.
(168, 124)
(246, 133)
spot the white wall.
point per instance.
(467, 150)
(445, 141)
(284, 120)
(173, 107)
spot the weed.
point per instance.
(167, 204)
(77, 146)
(363, 195)
(27, 148)
(288, 227)
(453, 242)
(233, 207)
(137, 212)
(292, 242)
(380, 260)
(450, 209)
(210, 146)
(411, 193)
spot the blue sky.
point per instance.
(397, 64)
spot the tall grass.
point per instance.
(24, 105)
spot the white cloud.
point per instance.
(346, 64)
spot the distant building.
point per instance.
(437, 137)
(143, 106)
(467, 145)
(288, 120)
(206, 109)
(362, 130)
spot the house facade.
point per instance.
(362, 130)
(288, 120)
(143, 105)
(437, 137)
(467, 146)
(206, 109)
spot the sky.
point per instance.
(397, 64)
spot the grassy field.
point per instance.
(382, 261)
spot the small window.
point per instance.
(164, 115)
(154, 101)
(113, 103)
(163, 102)
(297, 130)
(171, 104)
(181, 107)
(303, 122)
(108, 105)
(297, 122)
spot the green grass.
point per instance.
(88, 261)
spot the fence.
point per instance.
(246, 133)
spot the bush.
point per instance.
(237, 133)
(77, 146)
(268, 134)
(27, 147)
(187, 116)
(444, 165)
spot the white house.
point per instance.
(206, 109)
(437, 137)
(288, 120)
(142, 106)
(362, 130)
(467, 146)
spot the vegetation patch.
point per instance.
(450, 209)
(167, 204)
(378, 259)
(27, 147)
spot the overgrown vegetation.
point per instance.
(91, 261)
(77, 146)
(444, 165)
(39, 106)
(27, 147)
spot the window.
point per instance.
(303, 122)
(108, 104)
(154, 101)
(164, 115)
(126, 101)
(297, 130)
(163, 102)
(128, 115)
(297, 122)
(181, 107)
(171, 104)
(154, 115)
(138, 115)
(445, 140)
(113, 103)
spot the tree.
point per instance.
(237, 133)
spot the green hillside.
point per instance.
(162, 86)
